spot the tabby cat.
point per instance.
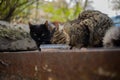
(87, 30)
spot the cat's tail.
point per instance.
(112, 38)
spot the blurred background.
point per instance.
(22, 11)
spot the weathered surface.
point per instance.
(95, 64)
(14, 39)
(17, 45)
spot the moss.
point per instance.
(13, 34)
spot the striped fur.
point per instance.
(86, 31)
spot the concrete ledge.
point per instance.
(90, 64)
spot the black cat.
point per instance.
(41, 33)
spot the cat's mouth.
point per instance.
(46, 42)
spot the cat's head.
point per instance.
(40, 33)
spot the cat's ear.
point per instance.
(57, 27)
(46, 24)
(29, 24)
(56, 24)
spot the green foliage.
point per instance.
(26, 9)
(10, 8)
(61, 13)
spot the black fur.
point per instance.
(40, 33)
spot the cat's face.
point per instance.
(40, 33)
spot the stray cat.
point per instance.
(86, 31)
(112, 38)
(60, 36)
(41, 34)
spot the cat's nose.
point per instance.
(43, 34)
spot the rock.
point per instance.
(15, 39)
(4, 24)
(25, 44)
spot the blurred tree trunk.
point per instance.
(77, 6)
(85, 4)
(116, 4)
(36, 13)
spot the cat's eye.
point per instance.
(43, 34)
(35, 34)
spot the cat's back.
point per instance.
(96, 17)
(90, 28)
(87, 30)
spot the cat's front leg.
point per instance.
(39, 49)
(71, 47)
(38, 46)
